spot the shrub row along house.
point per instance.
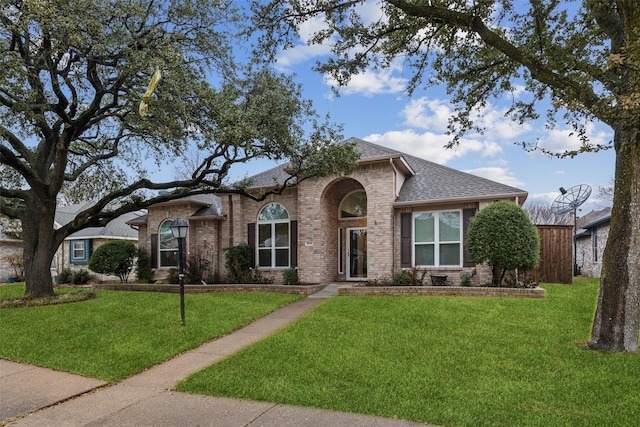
(394, 211)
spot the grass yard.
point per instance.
(455, 361)
(121, 333)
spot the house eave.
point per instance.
(521, 197)
(101, 236)
(397, 159)
(207, 217)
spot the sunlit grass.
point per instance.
(121, 333)
(456, 361)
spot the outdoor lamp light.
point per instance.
(179, 228)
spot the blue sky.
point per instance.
(376, 107)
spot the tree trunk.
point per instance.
(40, 244)
(617, 319)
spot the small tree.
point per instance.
(114, 258)
(144, 272)
(503, 236)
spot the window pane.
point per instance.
(78, 250)
(282, 257)
(264, 257)
(424, 227)
(424, 254)
(167, 241)
(273, 211)
(264, 236)
(450, 254)
(354, 205)
(449, 226)
(282, 234)
(168, 258)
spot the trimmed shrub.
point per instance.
(80, 277)
(114, 258)
(65, 276)
(503, 236)
(290, 276)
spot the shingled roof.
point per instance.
(430, 182)
(116, 228)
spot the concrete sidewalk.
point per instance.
(32, 396)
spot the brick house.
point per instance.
(394, 211)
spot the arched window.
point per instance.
(354, 205)
(273, 236)
(168, 245)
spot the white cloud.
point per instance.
(560, 140)
(430, 146)
(433, 114)
(427, 113)
(371, 82)
(498, 174)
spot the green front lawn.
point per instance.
(455, 361)
(121, 333)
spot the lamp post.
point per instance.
(179, 228)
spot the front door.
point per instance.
(356, 254)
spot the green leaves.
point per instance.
(503, 236)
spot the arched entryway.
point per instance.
(346, 200)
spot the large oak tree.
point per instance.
(578, 60)
(73, 75)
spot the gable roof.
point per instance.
(426, 181)
(209, 206)
(115, 229)
(592, 218)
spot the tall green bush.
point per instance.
(144, 272)
(114, 258)
(503, 236)
(237, 264)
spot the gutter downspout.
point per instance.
(393, 217)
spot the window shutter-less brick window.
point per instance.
(405, 240)
(467, 214)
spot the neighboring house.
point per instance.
(10, 245)
(394, 211)
(591, 239)
(77, 248)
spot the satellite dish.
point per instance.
(570, 199)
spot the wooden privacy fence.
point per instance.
(556, 254)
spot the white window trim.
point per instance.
(436, 243)
(82, 243)
(272, 223)
(160, 250)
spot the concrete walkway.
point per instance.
(33, 396)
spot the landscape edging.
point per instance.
(536, 292)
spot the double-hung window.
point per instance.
(437, 238)
(79, 251)
(273, 236)
(168, 247)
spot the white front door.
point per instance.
(356, 254)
